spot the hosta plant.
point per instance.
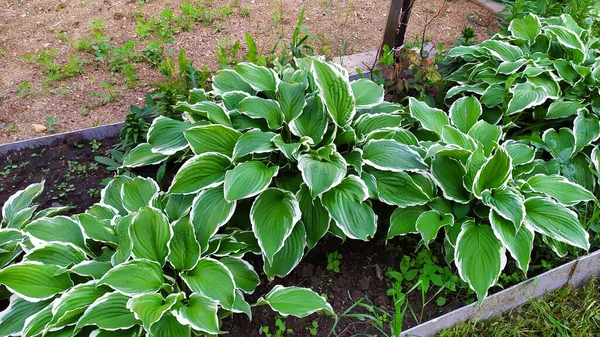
(545, 69)
(486, 194)
(132, 265)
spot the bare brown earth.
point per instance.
(36, 25)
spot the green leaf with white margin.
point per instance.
(291, 100)
(367, 123)
(212, 278)
(184, 250)
(18, 203)
(131, 332)
(526, 28)
(502, 50)
(67, 309)
(449, 174)
(453, 136)
(495, 173)
(177, 205)
(586, 130)
(111, 194)
(335, 92)
(246, 279)
(138, 193)
(431, 119)
(563, 109)
(38, 321)
(35, 281)
(57, 254)
(367, 93)
(508, 68)
(260, 78)
(123, 251)
(518, 242)
(134, 277)
(92, 268)
(295, 301)
(142, 155)
(210, 211)
(520, 153)
(404, 221)
(254, 141)
(201, 111)
(596, 158)
(493, 95)
(248, 179)
(59, 229)
(399, 188)
(227, 80)
(169, 326)
(506, 203)
(430, 222)
(390, 155)
(150, 234)
(465, 112)
(201, 314)
(561, 144)
(13, 318)
(150, 308)
(289, 256)
(547, 217)
(212, 138)
(559, 188)
(479, 257)
(569, 39)
(109, 312)
(487, 134)
(321, 174)
(268, 109)
(312, 122)
(525, 96)
(346, 205)
(273, 216)
(200, 172)
(315, 217)
(241, 306)
(166, 135)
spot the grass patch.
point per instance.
(565, 313)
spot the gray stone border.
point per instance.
(492, 6)
(98, 132)
(575, 273)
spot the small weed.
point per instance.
(280, 329)
(333, 261)
(25, 89)
(245, 12)
(94, 193)
(95, 145)
(2, 53)
(11, 129)
(78, 145)
(218, 28)
(63, 190)
(51, 123)
(313, 329)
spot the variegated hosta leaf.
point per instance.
(212, 279)
(138, 193)
(448, 174)
(267, 109)
(201, 111)
(200, 172)
(431, 119)
(506, 203)
(166, 135)
(67, 309)
(60, 229)
(169, 326)
(210, 211)
(367, 93)
(16, 210)
(404, 220)
(200, 314)
(570, 40)
(547, 217)
(273, 216)
(288, 257)
(487, 134)
(525, 96)
(150, 234)
(563, 108)
(479, 257)
(18, 311)
(246, 279)
(335, 92)
(430, 222)
(291, 100)
(346, 205)
(502, 50)
(134, 277)
(35, 281)
(109, 312)
(312, 122)
(57, 254)
(561, 144)
(519, 242)
(253, 141)
(367, 123)
(465, 112)
(495, 173)
(150, 308)
(390, 155)
(399, 188)
(321, 174)
(526, 28)
(520, 153)
(260, 78)
(586, 130)
(315, 217)
(111, 194)
(295, 301)
(248, 179)
(142, 155)
(212, 138)
(559, 188)
(184, 249)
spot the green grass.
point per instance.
(565, 313)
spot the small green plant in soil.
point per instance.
(279, 330)
(95, 144)
(245, 12)
(51, 123)
(333, 261)
(25, 89)
(313, 329)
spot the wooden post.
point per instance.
(391, 27)
(406, 10)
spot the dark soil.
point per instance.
(72, 176)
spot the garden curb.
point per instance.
(574, 274)
(492, 6)
(97, 132)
